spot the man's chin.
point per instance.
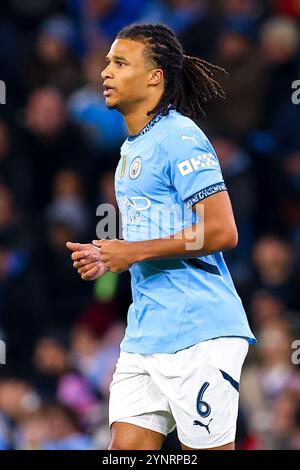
(111, 105)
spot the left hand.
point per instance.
(118, 255)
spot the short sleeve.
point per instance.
(192, 166)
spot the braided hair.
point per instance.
(189, 81)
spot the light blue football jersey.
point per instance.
(163, 171)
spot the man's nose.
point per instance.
(106, 73)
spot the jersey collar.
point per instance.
(148, 126)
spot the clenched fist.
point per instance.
(118, 255)
(87, 260)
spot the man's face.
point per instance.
(126, 77)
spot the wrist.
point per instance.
(136, 252)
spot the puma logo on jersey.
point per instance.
(204, 160)
(198, 423)
(186, 137)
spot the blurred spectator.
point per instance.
(208, 28)
(241, 8)
(265, 308)
(68, 205)
(238, 55)
(104, 128)
(53, 62)
(56, 379)
(96, 355)
(280, 46)
(275, 271)
(17, 398)
(284, 422)
(10, 228)
(50, 361)
(95, 350)
(100, 20)
(48, 142)
(53, 427)
(267, 381)
(75, 391)
(177, 14)
(199, 38)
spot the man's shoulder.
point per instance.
(175, 122)
(179, 131)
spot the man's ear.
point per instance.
(156, 77)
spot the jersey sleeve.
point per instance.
(193, 167)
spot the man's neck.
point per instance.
(138, 118)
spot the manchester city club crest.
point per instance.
(135, 168)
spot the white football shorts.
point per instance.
(195, 389)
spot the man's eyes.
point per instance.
(119, 64)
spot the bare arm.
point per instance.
(217, 232)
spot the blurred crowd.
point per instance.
(59, 146)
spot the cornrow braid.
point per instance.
(189, 81)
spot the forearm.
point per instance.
(197, 240)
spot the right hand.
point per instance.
(87, 260)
